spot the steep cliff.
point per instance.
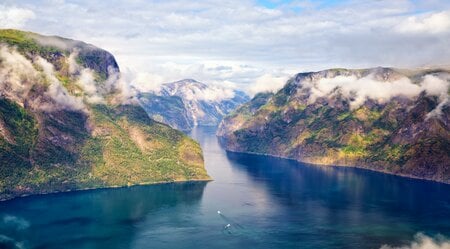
(188, 103)
(383, 119)
(68, 122)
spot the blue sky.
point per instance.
(273, 4)
(250, 44)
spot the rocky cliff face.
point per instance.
(169, 110)
(67, 122)
(188, 103)
(383, 119)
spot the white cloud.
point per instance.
(19, 74)
(424, 242)
(90, 87)
(267, 83)
(14, 17)
(213, 93)
(145, 81)
(437, 112)
(15, 72)
(120, 84)
(73, 65)
(56, 91)
(435, 85)
(228, 74)
(361, 89)
(171, 40)
(430, 23)
(16, 75)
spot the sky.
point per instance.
(254, 45)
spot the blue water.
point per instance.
(268, 202)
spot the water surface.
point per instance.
(267, 202)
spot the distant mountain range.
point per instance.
(66, 123)
(383, 119)
(188, 103)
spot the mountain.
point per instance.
(68, 122)
(384, 119)
(188, 103)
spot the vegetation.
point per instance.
(103, 145)
(167, 109)
(135, 152)
(25, 43)
(396, 136)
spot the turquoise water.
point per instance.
(267, 202)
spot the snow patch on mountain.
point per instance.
(203, 104)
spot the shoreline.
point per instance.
(340, 166)
(107, 187)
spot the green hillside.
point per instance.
(399, 136)
(66, 124)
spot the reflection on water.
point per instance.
(362, 206)
(90, 219)
(264, 202)
(344, 186)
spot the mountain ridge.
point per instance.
(187, 103)
(379, 118)
(68, 122)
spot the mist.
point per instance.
(119, 85)
(212, 93)
(422, 241)
(56, 91)
(266, 83)
(16, 75)
(358, 90)
(86, 80)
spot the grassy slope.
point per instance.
(122, 146)
(134, 152)
(323, 134)
(24, 43)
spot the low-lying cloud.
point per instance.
(86, 80)
(120, 86)
(212, 93)
(145, 81)
(15, 72)
(267, 83)
(422, 241)
(295, 36)
(56, 91)
(226, 74)
(19, 74)
(358, 90)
